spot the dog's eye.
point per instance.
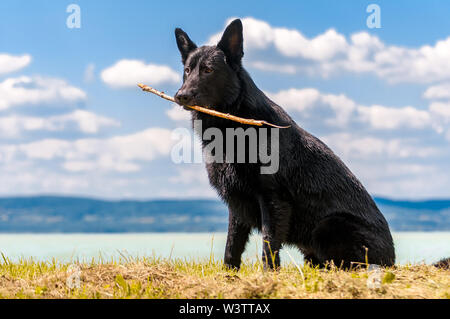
(187, 70)
(208, 70)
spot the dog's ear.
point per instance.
(232, 42)
(184, 43)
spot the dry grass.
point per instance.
(157, 278)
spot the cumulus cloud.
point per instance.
(367, 147)
(127, 73)
(440, 91)
(10, 63)
(85, 121)
(293, 43)
(296, 99)
(331, 52)
(272, 67)
(402, 179)
(440, 113)
(372, 140)
(191, 173)
(259, 34)
(36, 90)
(310, 103)
(341, 111)
(119, 153)
(441, 110)
(382, 117)
(178, 114)
(32, 179)
(195, 181)
(80, 120)
(425, 64)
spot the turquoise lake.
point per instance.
(411, 247)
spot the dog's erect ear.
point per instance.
(185, 45)
(232, 42)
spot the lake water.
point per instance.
(413, 247)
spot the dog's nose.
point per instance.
(184, 97)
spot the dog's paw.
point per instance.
(229, 266)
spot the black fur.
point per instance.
(313, 202)
(443, 263)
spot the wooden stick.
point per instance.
(227, 116)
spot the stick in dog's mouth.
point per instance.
(209, 111)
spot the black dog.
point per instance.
(313, 201)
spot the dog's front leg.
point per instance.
(274, 229)
(237, 238)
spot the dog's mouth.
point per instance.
(191, 102)
(187, 108)
(184, 101)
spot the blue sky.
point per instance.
(73, 122)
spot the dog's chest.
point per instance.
(232, 178)
(229, 168)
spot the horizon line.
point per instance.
(137, 199)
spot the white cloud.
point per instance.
(366, 53)
(178, 114)
(259, 34)
(441, 111)
(12, 126)
(359, 54)
(309, 102)
(103, 164)
(272, 67)
(382, 117)
(440, 91)
(331, 52)
(425, 64)
(119, 153)
(325, 46)
(34, 90)
(402, 179)
(44, 149)
(367, 147)
(38, 181)
(296, 99)
(128, 73)
(342, 106)
(33, 178)
(194, 180)
(341, 111)
(193, 173)
(83, 121)
(11, 63)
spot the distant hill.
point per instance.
(47, 214)
(428, 215)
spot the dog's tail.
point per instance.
(443, 263)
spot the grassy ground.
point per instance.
(157, 278)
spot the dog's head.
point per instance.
(211, 72)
